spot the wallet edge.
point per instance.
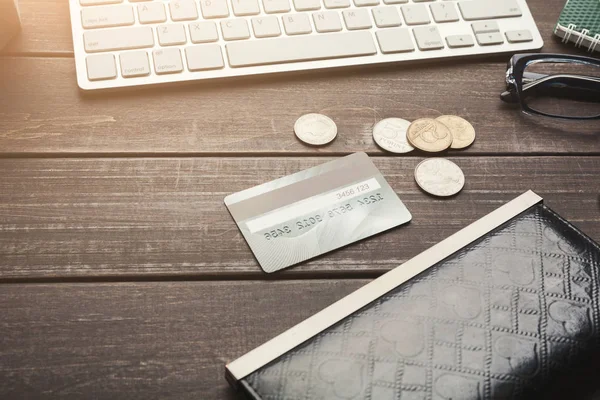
(303, 331)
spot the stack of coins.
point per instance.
(436, 176)
(430, 135)
(442, 133)
(395, 135)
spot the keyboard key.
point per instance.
(362, 3)
(300, 48)
(395, 40)
(415, 14)
(357, 19)
(205, 57)
(307, 5)
(101, 67)
(151, 13)
(519, 36)
(444, 12)
(183, 10)
(386, 16)
(134, 63)
(456, 41)
(171, 34)
(327, 21)
(276, 6)
(118, 39)
(264, 32)
(167, 61)
(488, 9)
(485, 27)
(98, 2)
(488, 39)
(105, 17)
(245, 7)
(266, 27)
(214, 8)
(336, 4)
(203, 32)
(235, 29)
(296, 24)
(428, 38)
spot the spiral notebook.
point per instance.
(579, 23)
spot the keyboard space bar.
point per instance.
(302, 48)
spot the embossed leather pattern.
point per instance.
(511, 316)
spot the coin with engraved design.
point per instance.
(439, 177)
(463, 133)
(390, 135)
(315, 129)
(429, 135)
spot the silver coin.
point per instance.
(315, 129)
(390, 135)
(439, 177)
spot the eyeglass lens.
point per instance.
(566, 89)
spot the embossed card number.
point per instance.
(309, 213)
(301, 224)
(311, 205)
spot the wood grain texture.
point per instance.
(47, 27)
(86, 218)
(94, 219)
(257, 116)
(144, 340)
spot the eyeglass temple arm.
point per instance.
(510, 96)
(574, 86)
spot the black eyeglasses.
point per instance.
(554, 85)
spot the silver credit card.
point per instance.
(311, 212)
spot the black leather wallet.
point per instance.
(507, 308)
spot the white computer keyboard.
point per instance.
(120, 43)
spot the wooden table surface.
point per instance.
(122, 273)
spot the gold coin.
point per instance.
(429, 135)
(463, 133)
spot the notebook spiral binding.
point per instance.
(581, 36)
(579, 23)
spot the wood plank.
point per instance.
(47, 28)
(86, 218)
(144, 340)
(42, 113)
(149, 340)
